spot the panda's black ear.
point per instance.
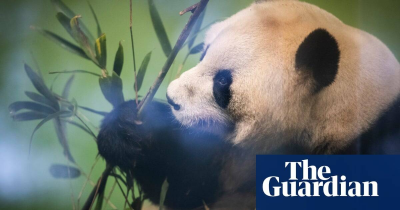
(319, 56)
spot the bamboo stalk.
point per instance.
(181, 40)
(101, 185)
(133, 53)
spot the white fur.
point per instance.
(269, 104)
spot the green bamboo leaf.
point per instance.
(142, 70)
(111, 87)
(38, 83)
(73, 106)
(27, 116)
(33, 106)
(61, 42)
(119, 60)
(79, 126)
(38, 98)
(61, 7)
(164, 190)
(101, 51)
(75, 71)
(53, 82)
(159, 28)
(60, 171)
(41, 123)
(65, 22)
(197, 49)
(93, 111)
(67, 87)
(82, 38)
(61, 131)
(196, 28)
(85, 121)
(96, 19)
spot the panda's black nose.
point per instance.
(177, 107)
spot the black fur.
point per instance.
(221, 88)
(160, 149)
(319, 54)
(384, 135)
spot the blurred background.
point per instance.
(25, 181)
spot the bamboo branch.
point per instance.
(133, 53)
(101, 185)
(123, 193)
(181, 40)
(87, 179)
(189, 9)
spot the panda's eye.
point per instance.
(223, 77)
(221, 87)
(222, 81)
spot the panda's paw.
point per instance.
(122, 140)
(119, 136)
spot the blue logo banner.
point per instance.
(328, 182)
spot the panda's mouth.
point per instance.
(174, 105)
(202, 118)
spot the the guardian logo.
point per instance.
(316, 182)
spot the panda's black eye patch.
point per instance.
(204, 53)
(221, 87)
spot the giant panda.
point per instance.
(279, 77)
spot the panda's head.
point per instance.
(280, 70)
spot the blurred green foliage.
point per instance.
(25, 180)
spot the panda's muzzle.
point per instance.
(176, 106)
